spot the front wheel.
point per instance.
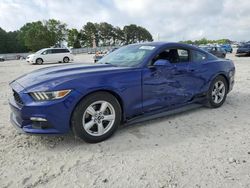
(39, 61)
(217, 92)
(96, 117)
(65, 59)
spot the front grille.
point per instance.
(17, 97)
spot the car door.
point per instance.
(197, 73)
(55, 56)
(46, 55)
(166, 86)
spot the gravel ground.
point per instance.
(199, 148)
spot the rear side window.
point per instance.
(173, 55)
(54, 51)
(63, 50)
(199, 56)
(60, 51)
(183, 55)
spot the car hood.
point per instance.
(61, 73)
(31, 55)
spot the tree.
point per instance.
(10, 43)
(143, 35)
(3, 37)
(57, 31)
(13, 44)
(105, 32)
(90, 32)
(205, 41)
(117, 36)
(134, 33)
(74, 38)
(36, 36)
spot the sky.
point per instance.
(166, 20)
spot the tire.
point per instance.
(217, 93)
(39, 61)
(65, 59)
(91, 126)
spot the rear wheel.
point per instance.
(96, 117)
(39, 61)
(217, 93)
(65, 59)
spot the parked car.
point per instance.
(134, 83)
(243, 50)
(2, 58)
(97, 57)
(215, 50)
(227, 48)
(50, 55)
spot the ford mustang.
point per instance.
(133, 83)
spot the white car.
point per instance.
(50, 55)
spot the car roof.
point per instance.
(162, 44)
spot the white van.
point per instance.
(50, 55)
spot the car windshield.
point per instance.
(128, 56)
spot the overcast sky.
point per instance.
(172, 20)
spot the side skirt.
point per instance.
(196, 103)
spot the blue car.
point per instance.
(227, 48)
(134, 83)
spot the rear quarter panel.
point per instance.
(217, 67)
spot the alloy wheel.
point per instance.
(98, 118)
(218, 92)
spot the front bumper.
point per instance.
(57, 114)
(29, 61)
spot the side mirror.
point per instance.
(162, 62)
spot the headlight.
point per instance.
(49, 95)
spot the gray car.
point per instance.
(215, 50)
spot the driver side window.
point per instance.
(173, 55)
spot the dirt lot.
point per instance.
(199, 148)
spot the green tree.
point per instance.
(74, 38)
(143, 35)
(90, 31)
(105, 32)
(13, 44)
(3, 37)
(36, 36)
(134, 33)
(57, 31)
(10, 43)
(117, 36)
